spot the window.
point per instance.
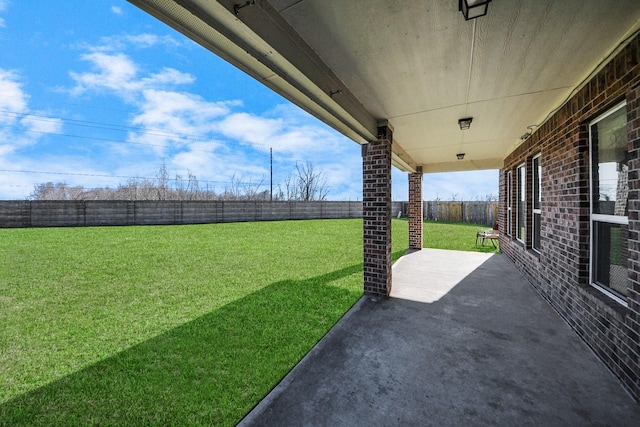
(609, 210)
(537, 201)
(522, 193)
(509, 201)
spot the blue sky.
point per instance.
(94, 93)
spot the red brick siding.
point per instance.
(415, 209)
(560, 272)
(376, 215)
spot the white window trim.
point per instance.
(613, 219)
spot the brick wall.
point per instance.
(560, 272)
(376, 214)
(415, 209)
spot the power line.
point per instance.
(93, 138)
(95, 175)
(97, 125)
(117, 141)
(107, 126)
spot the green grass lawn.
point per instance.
(461, 237)
(166, 325)
(171, 325)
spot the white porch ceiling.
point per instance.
(416, 63)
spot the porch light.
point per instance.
(460, 156)
(472, 9)
(465, 123)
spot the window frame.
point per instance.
(536, 181)
(521, 196)
(509, 202)
(601, 218)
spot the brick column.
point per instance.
(376, 213)
(415, 209)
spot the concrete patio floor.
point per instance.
(464, 340)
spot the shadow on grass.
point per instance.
(210, 371)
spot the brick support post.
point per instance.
(376, 213)
(415, 209)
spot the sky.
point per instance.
(96, 93)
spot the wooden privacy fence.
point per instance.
(108, 212)
(70, 213)
(485, 213)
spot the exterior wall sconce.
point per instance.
(237, 7)
(529, 132)
(460, 156)
(472, 9)
(465, 123)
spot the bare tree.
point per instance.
(306, 184)
(163, 179)
(193, 187)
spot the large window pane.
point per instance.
(509, 202)
(522, 193)
(609, 165)
(536, 231)
(609, 194)
(537, 183)
(537, 201)
(610, 259)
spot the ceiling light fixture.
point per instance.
(460, 156)
(472, 9)
(465, 123)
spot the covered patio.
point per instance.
(485, 350)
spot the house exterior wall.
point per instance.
(560, 270)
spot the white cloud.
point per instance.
(286, 131)
(168, 76)
(3, 7)
(146, 40)
(119, 74)
(181, 119)
(40, 124)
(116, 10)
(18, 128)
(260, 132)
(13, 98)
(115, 72)
(121, 43)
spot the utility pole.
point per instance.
(271, 168)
